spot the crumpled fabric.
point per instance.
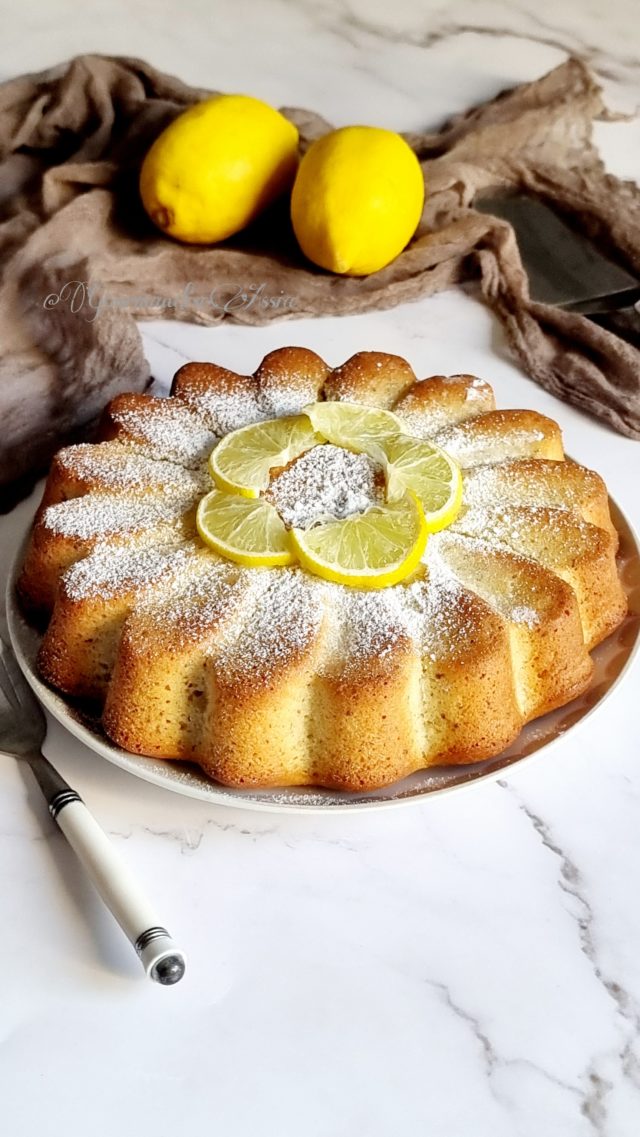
(81, 262)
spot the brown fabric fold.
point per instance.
(73, 233)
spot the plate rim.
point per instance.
(55, 704)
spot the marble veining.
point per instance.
(571, 27)
(466, 967)
(572, 882)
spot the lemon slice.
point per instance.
(242, 461)
(247, 532)
(377, 548)
(353, 426)
(434, 477)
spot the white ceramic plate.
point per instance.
(611, 660)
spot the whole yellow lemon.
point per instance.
(357, 199)
(217, 166)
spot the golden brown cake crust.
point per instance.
(373, 378)
(274, 677)
(442, 401)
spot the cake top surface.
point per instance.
(164, 429)
(97, 516)
(125, 468)
(271, 616)
(325, 482)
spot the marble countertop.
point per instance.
(464, 967)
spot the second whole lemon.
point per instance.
(357, 199)
(217, 166)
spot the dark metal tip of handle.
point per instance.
(60, 799)
(169, 970)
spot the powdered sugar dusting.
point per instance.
(421, 423)
(437, 617)
(475, 443)
(109, 572)
(281, 401)
(167, 429)
(280, 623)
(475, 387)
(428, 613)
(102, 515)
(557, 484)
(197, 605)
(493, 573)
(425, 412)
(511, 525)
(523, 614)
(113, 466)
(285, 394)
(325, 483)
(363, 625)
(227, 409)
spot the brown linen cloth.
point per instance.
(72, 231)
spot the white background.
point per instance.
(468, 967)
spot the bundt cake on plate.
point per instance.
(321, 577)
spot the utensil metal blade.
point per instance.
(565, 268)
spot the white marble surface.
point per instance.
(468, 967)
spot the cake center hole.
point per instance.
(326, 482)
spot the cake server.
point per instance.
(566, 268)
(23, 728)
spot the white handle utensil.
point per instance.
(22, 732)
(161, 958)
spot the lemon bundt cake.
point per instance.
(310, 576)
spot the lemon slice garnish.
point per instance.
(353, 426)
(377, 548)
(246, 531)
(434, 477)
(242, 461)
